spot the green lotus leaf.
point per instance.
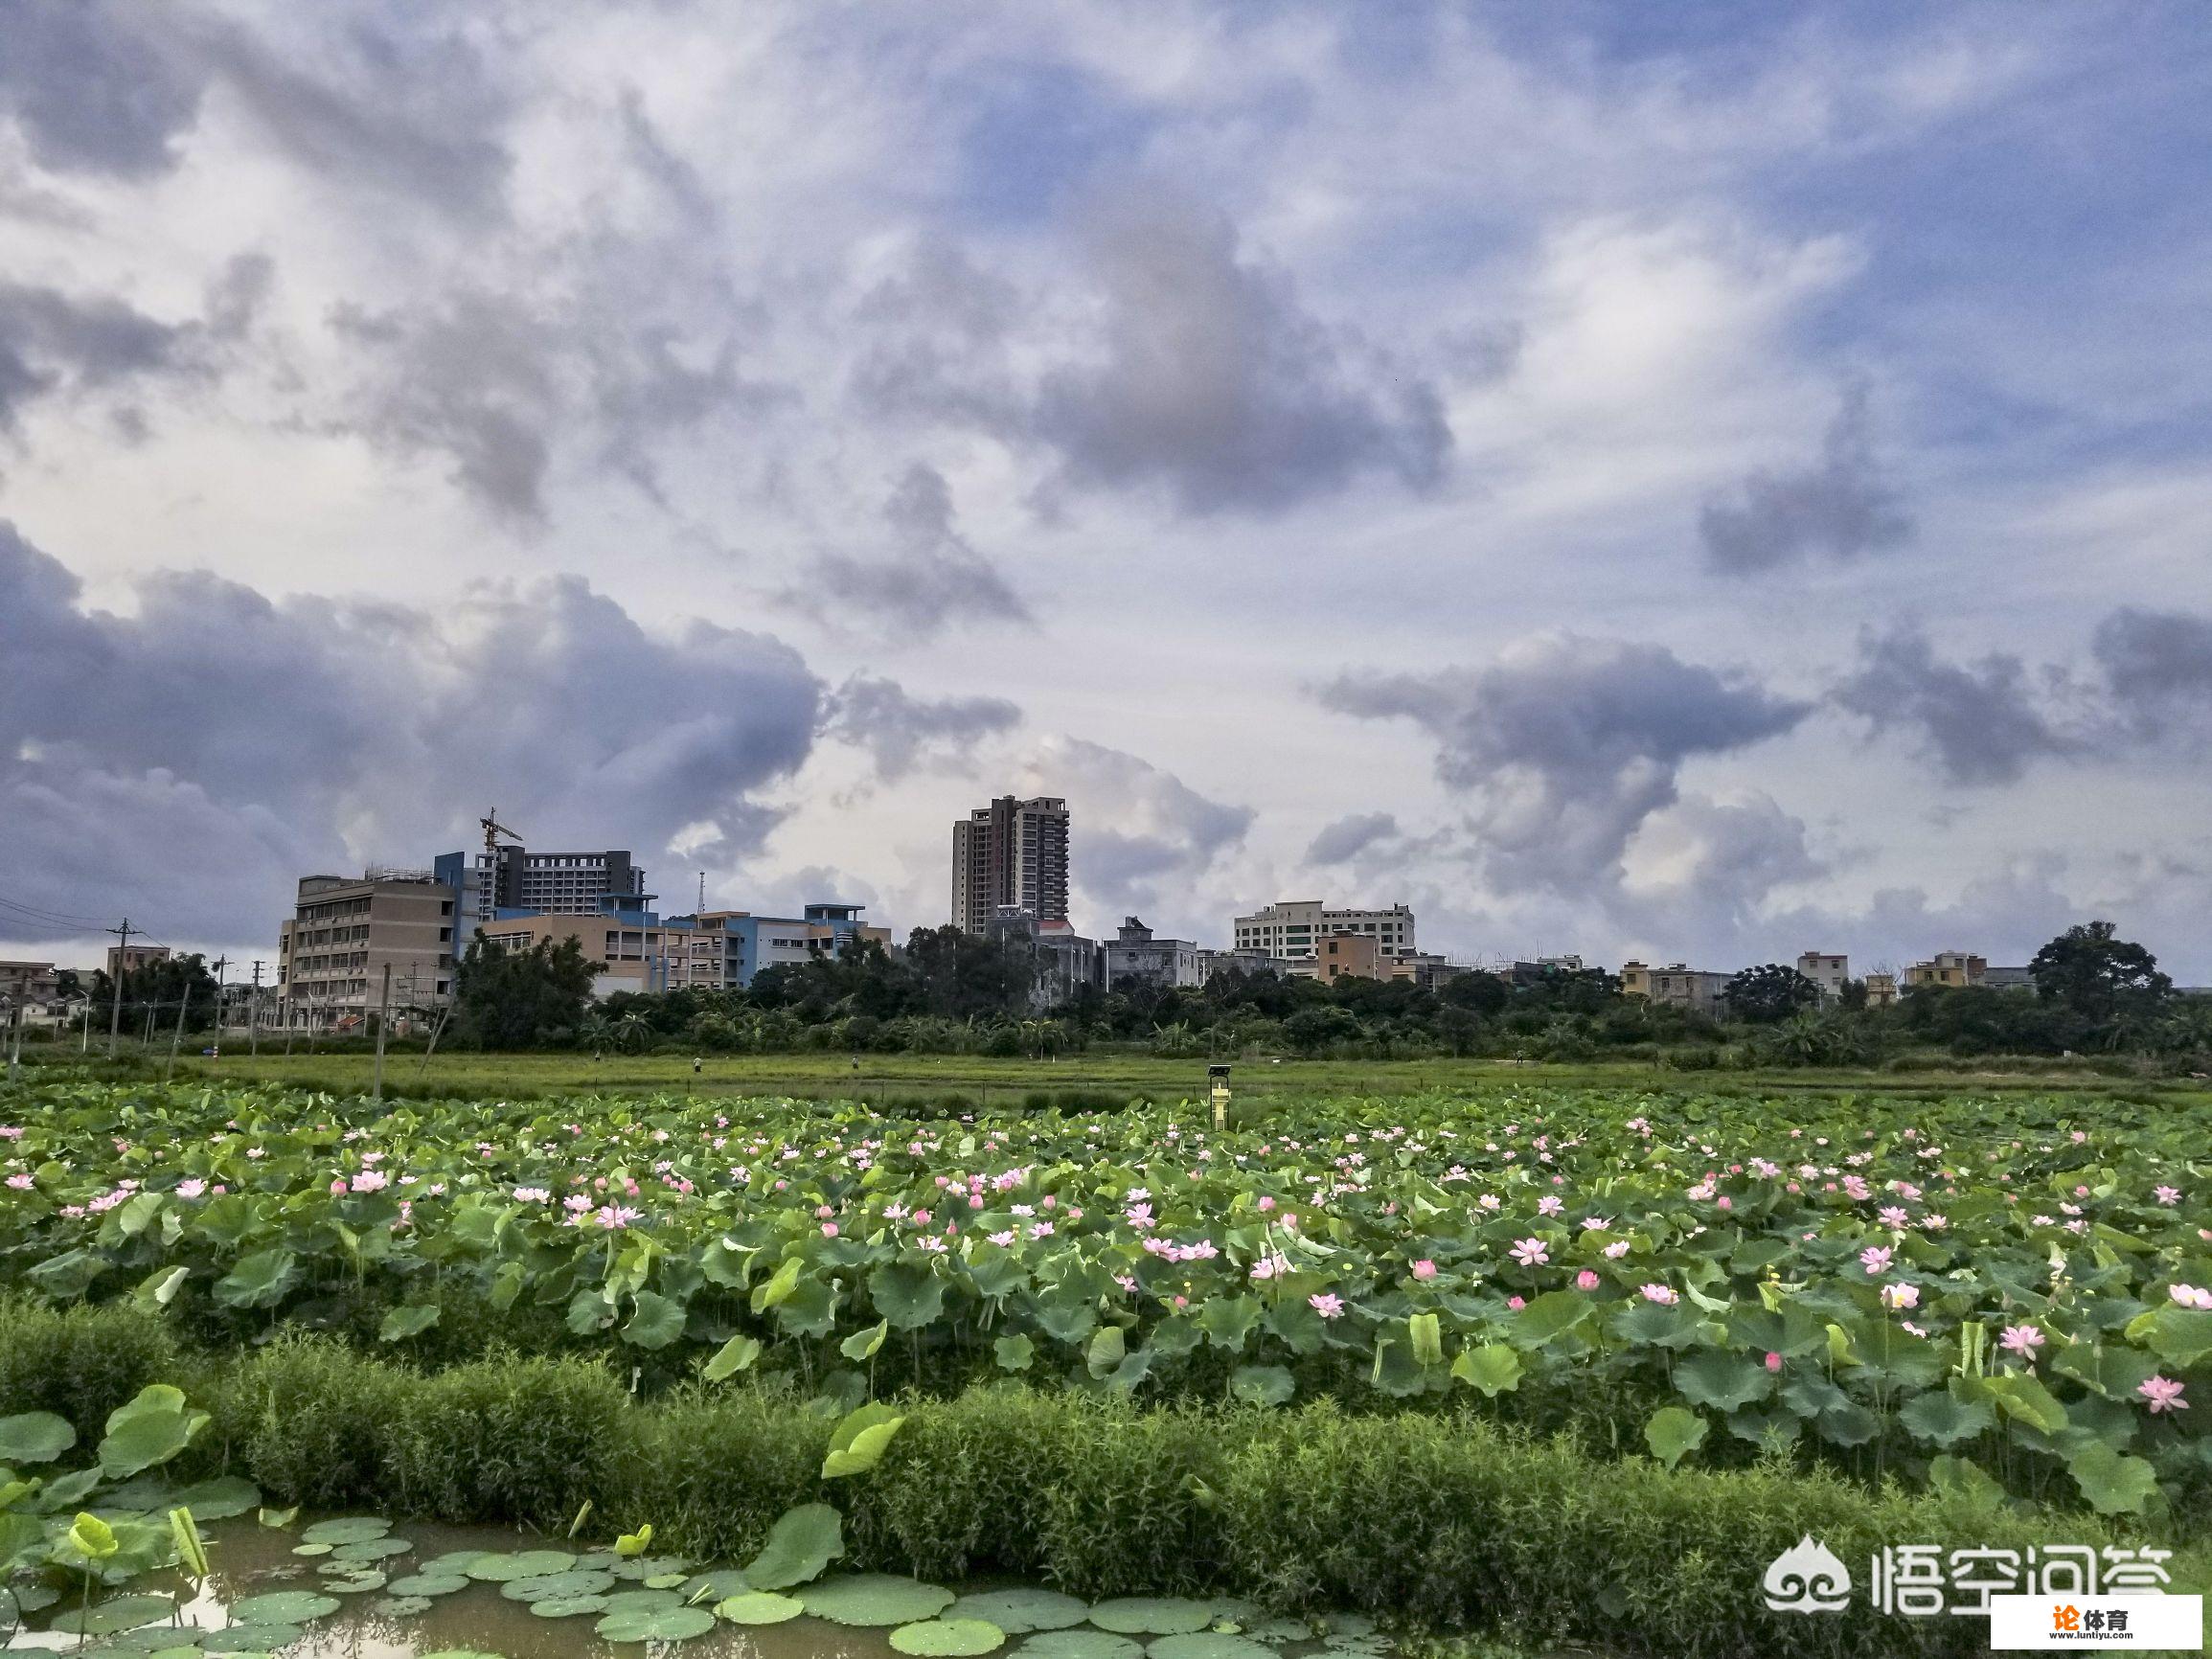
(1208, 1644)
(402, 1323)
(759, 1607)
(1262, 1384)
(1941, 1419)
(1494, 1368)
(1078, 1644)
(492, 1567)
(875, 1599)
(641, 1601)
(2113, 1483)
(349, 1530)
(373, 1550)
(220, 1499)
(251, 1638)
(404, 1606)
(261, 1280)
(949, 1638)
(802, 1543)
(453, 1564)
(1672, 1434)
(35, 1437)
(1020, 1610)
(151, 1429)
(858, 1442)
(117, 1613)
(315, 1550)
(733, 1356)
(283, 1607)
(555, 1586)
(1152, 1615)
(677, 1623)
(716, 1585)
(353, 1583)
(428, 1584)
(568, 1606)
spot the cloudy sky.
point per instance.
(1699, 482)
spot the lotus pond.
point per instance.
(1988, 1295)
(362, 1588)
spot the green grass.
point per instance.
(1099, 1078)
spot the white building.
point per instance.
(1010, 855)
(1135, 953)
(1831, 973)
(1291, 928)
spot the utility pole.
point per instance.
(177, 1036)
(383, 1019)
(220, 963)
(253, 1013)
(115, 1014)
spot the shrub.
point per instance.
(313, 1420)
(507, 1437)
(81, 1362)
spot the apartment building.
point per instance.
(344, 932)
(1134, 953)
(122, 959)
(1427, 970)
(514, 878)
(1010, 856)
(713, 950)
(1342, 956)
(1831, 973)
(1947, 967)
(1880, 990)
(1294, 929)
(1676, 986)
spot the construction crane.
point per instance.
(492, 831)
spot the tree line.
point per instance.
(951, 992)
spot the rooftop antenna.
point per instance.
(702, 909)
(492, 831)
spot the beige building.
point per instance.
(1676, 986)
(1427, 970)
(129, 958)
(1880, 990)
(1831, 973)
(1947, 967)
(713, 950)
(1011, 858)
(345, 931)
(1342, 956)
(1294, 929)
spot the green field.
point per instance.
(919, 1079)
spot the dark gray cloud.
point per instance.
(97, 86)
(252, 737)
(937, 332)
(1350, 836)
(1569, 745)
(496, 383)
(59, 345)
(1982, 722)
(1842, 508)
(902, 732)
(934, 579)
(2158, 667)
(1211, 380)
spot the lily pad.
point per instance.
(641, 1601)
(638, 1568)
(218, 1500)
(1208, 1644)
(718, 1585)
(677, 1623)
(666, 1582)
(314, 1549)
(283, 1607)
(759, 1607)
(453, 1564)
(1279, 1631)
(1022, 1609)
(347, 1529)
(1152, 1615)
(251, 1638)
(495, 1568)
(404, 1606)
(358, 1582)
(373, 1550)
(428, 1584)
(117, 1614)
(1078, 1644)
(875, 1599)
(800, 1544)
(947, 1638)
(568, 1606)
(558, 1586)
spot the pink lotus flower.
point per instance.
(1875, 1259)
(1585, 1280)
(2022, 1340)
(1617, 1249)
(2167, 1194)
(1773, 1361)
(828, 1229)
(2163, 1394)
(2191, 1295)
(1326, 1304)
(1516, 1303)
(1425, 1269)
(1896, 1296)
(1665, 1295)
(1530, 1252)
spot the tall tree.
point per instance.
(513, 999)
(1771, 992)
(2089, 971)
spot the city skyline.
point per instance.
(1694, 485)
